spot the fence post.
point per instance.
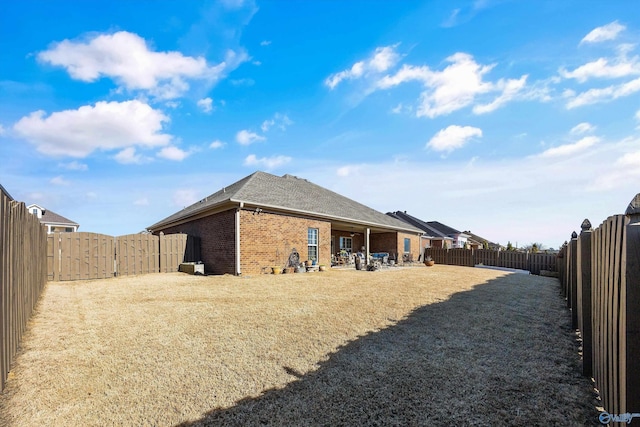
(632, 307)
(584, 297)
(572, 300)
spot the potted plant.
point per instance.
(428, 261)
(322, 267)
(276, 270)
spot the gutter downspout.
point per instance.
(238, 269)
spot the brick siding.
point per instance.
(267, 239)
(217, 240)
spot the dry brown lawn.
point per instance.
(415, 346)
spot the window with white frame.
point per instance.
(312, 244)
(346, 244)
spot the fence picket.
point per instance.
(613, 297)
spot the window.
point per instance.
(346, 244)
(407, 246)
(312, 244)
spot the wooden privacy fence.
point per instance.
(23, 274)
(600, 278)
(80, 256)
(533, 262)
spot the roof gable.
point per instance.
(292, 194)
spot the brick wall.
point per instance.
(267, 239)
(217, 240)
(415, 245)
(393, 243)
(384, 242)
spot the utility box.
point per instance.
(192, 268)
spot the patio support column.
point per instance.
(366, 244)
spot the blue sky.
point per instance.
(513, 119)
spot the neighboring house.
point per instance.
(52, 220)
(460, 239)
(432, 238)
(258, 221)
(479, 242)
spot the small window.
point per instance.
(68, 230)
(312, 244)
(407, 246)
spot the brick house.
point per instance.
(258, 221)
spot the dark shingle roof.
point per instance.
(292, 194)
(445, 229)
(54, 218)
(416, 222)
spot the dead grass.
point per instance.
(416, 346)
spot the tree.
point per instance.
(509, 246)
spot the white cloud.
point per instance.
(126, 58)
(141, 202)
(594, 96)
(453, 137)
(105, 126)
(630, 160)
(128, 156)
(173, 153)
(382, 60)
(74, 166)
(348, 170)
(245, 137)
(601, 68)
(582, 128)
(268, 163)
(455, 87)
(217, 144)
(265, 42)
(604, 33)
(509, 88)
(185, 197)
(59, 180)
(569, 149)
(206, 104)
(281, 121)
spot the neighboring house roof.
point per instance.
(481, 240)
(50, 217)
(416, 222)
(6, 193)
(445, 229)
(291, 194)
